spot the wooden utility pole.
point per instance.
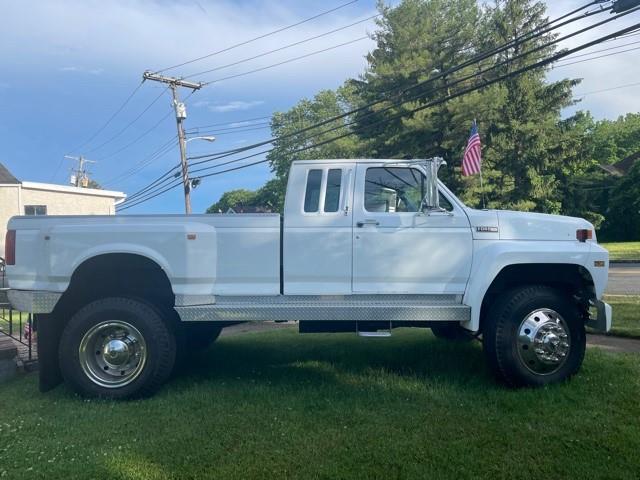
(181, 114)
(80, 177)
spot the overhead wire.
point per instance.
(465, 91)
(259, 37)
(285, 47)
(483, 55)
(523, 38)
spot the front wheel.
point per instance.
(534, 336)
(116, 348)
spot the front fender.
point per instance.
(491, 256)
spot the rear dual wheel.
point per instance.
(117, 348)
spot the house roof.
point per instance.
(622, 167)
(6, 176)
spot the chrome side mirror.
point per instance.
(431, 201)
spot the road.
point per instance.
(624, 279)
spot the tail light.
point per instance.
(584, 234)
(10, 247)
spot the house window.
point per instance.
(393, 189)
(312, 195)
(35, 209)
(332, 195)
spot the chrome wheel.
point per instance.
(113, 353)
(543, 341)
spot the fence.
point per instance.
(17, 325)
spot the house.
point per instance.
(31, 198)
(621, 168)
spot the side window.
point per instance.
(332, 196)
(312, 194)
(393, 189)
(35, 210)
(444, 203)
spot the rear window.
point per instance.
(312, 194)
(332, 196)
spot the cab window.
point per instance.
(312, 194)
(393, 189)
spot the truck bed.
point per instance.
(203, 255)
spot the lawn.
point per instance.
(626, 315)
(281, 405)
(623, 251)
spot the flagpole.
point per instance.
(482, 189)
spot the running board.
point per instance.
(360, 308)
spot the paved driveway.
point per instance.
(624, 279)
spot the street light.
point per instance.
(208, 139)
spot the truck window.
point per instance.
(393, 189)
(332, 196)
(312, 194)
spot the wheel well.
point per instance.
(116, 274)
(574, 280)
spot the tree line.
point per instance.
(534, 158)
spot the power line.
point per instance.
(523, 38)
(218, 130)
(106, 124)
(128, 125)
(269, 52)
(234, 122)
(537, 32)
(619, 87)
(603, 50)
(465, 91)
(158, 153)
(217, 80)
(246, 42)
(139, 137)
(596, 58)
(419, 84)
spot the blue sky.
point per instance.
(68, 64)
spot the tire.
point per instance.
(534, 336)
(452, 332)
(117, 348)
(200, 335)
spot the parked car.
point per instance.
(364, 246)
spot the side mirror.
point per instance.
(431, 200)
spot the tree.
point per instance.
(233, 199)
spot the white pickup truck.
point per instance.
(364, 246)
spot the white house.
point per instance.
(31, 198)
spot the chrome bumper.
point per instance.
(33, 301)
(601, 320)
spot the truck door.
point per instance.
(396, 248)
(317, 249)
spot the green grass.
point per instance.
(280, 405)
(623, 251)
(626, 315)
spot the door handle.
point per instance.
(362, 223)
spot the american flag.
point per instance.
(472, 160)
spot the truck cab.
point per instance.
(364, 246)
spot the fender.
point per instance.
(490, 257)
(186, 252)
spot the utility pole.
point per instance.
(181, 114)
(80, 176)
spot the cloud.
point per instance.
(234, 106)
(130, 36)
(90, 71)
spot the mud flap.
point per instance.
(49, 332)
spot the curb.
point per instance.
(612, 262)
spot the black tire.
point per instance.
(451, 332)
(506, 351)
(200, 335)
(89, 324)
